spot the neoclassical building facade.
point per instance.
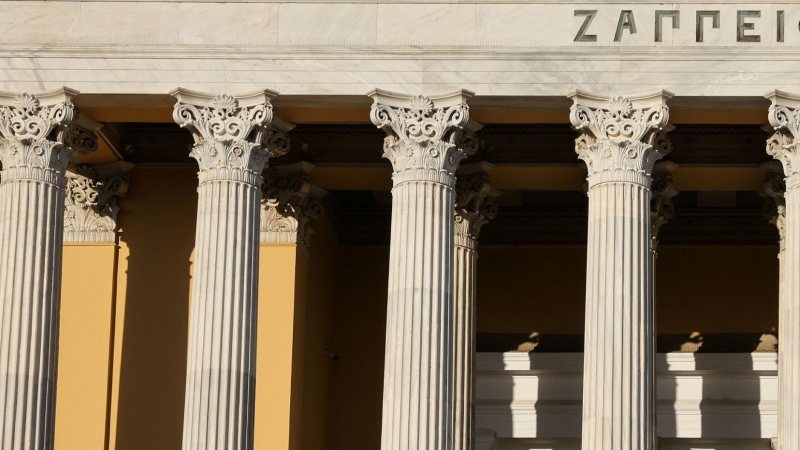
(399, 225)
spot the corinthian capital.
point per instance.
(475, 204)
(36, 135)
(90, 206)
(622, 137)
(232, 134)
(427, 137)
(662, 209)
(290, 204)
(784, 116)
(774, 208)
(84, 136)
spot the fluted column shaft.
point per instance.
(220, 382)
(31, 238)
(622, 138)
(425, 145)
(475, 206)
(35, 147)
(789, 323)
(784, 116)
(619, 381)
(230, 139)
(466, 259)
(419, 333)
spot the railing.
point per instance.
(708, 401)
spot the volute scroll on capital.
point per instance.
(622, 137)
(91, 206)
(290, 203)
(773, 192)
(233, 134)
(475, 203)
(784, 117)
(427, 137)
(36, 135)
(662, 207)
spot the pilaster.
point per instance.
(233, 140)
(621, 140)
(427, 137)
(784, 116)
(36, 144)
(475, 206)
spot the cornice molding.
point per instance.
(91, 202)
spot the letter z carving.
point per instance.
(582, 36)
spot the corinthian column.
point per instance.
(91, 207)
(291, 203)
(475, 206)
(622, 139)
(784, 116)
(425, 143)
(35, 148)
(232, 142)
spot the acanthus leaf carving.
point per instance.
(84, 137)
(425, 141)
(90, 206)
(620, 141)
(475, 207)
(233, 135)
(290, 203)
(36, 135)
(662, 207)
(774, 207)
(784, 117)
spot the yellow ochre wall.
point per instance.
(318, 403)
(157, 221)
(281, 325)
(525, 289)
(84, 365)
(122, 370)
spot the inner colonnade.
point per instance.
(442, 196)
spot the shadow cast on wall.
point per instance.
(157, 239)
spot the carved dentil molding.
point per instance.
(90, 206)
(290, 204)
(232, 134)
(427, 137)
(622, 137)
(784, 116)
(475, 204)
(662, 208)
(36, 137)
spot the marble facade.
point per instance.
(621, 65)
